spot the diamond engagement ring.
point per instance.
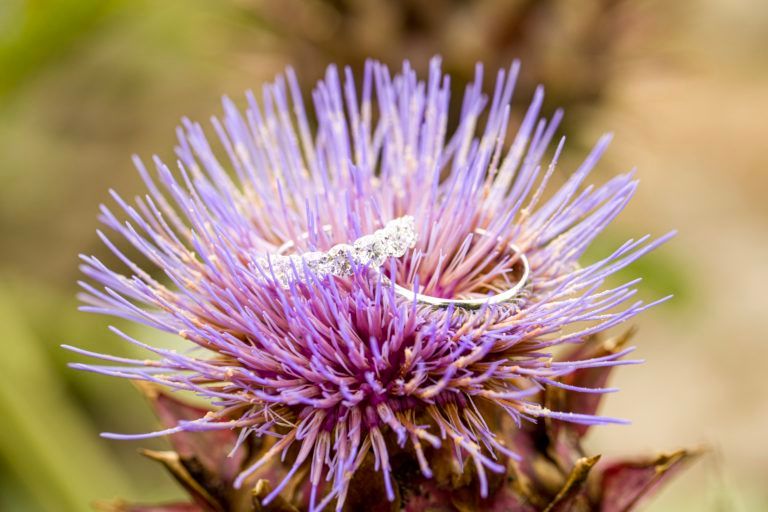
(505, 296)
(393, 240)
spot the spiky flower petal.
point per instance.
(340, 371)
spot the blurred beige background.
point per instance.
(684, 86)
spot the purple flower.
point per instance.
(339, 370)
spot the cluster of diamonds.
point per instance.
(393, 240)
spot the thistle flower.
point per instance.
(343, 373)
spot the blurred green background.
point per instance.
(684, 85)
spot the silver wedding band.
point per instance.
(505, 296)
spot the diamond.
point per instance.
(395, 244)
(317, 262)
(281, 270)
(341, 263)
(399, 235)
(369, 249)
(394, 239)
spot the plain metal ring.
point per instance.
(504, 296)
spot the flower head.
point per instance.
(342, 370)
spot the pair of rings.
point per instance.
(393, 240)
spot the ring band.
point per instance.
(505, 296)
(393, 240)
